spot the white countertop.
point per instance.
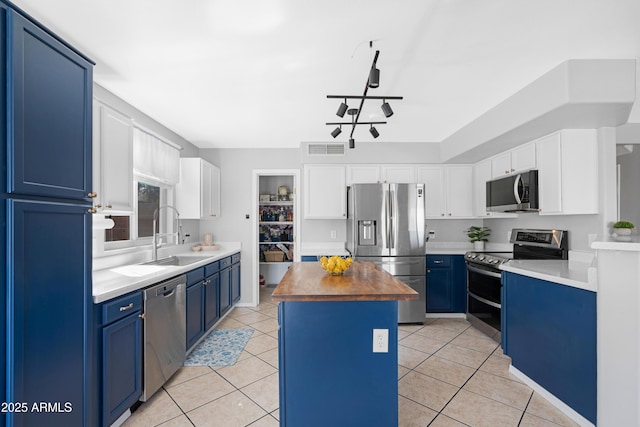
(577, 274)
(116, 281)
(631, 243)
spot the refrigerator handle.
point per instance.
(392, 195)
(420, 213)
(386, 217)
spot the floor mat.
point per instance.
(220, 348)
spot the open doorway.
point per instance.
(276, 225)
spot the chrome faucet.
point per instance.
(155, 234)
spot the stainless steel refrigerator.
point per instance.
(385, 225)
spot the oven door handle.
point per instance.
(485, 272)
(486, 301)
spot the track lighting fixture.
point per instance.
(374, 78)
(342, 109)
(373, 81)
(386, 109)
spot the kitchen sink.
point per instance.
(177, 260)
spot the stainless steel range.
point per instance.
(484, 286)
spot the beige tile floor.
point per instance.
(449, 375)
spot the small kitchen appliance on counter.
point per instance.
(483, 273)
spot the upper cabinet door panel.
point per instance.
(50, 115)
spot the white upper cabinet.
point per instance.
(448, 190)
(113, 160)
(482, 172)
(433, 179)
(325, 192)
(459, 185)
(363, 174)
(513, 161)
(372, 174)
(399, 174)
(568, 172)
(198, 192)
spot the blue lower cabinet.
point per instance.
(211, 307)
(550, 335)
(48, 312)
(195, 313)
(203, 309)
(328, 373)
(121, 356)
(446, 284)
(225, 290)
(235, 283)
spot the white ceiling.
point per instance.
(255, 73)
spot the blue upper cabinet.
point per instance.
(49, 128)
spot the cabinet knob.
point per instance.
(449, 213)
(92, 195)
(92, 210)
(98, 206)
(441, 214)
(108, 206)
(506, 172)
(513, 170)
(141, 315)
(437, 261)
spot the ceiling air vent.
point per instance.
(325, 149)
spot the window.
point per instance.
(148, 203)
(156, 165)
(138, 229)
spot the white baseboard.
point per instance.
(559, 404)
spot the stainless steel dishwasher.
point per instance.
(164, 332)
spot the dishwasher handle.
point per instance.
(169, 289)
(165, 292)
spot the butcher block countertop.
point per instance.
(364, 281)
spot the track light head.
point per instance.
(342, 109)
(374, 78)
(386, 109)
(336, 132)
(352, 143)
(374, 132)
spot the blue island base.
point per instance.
(329, 374)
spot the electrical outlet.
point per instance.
(432, 234)
(380, 340)
(333, 234)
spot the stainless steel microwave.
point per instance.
(514, 193)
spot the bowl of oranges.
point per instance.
(335, 265)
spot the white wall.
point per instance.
(236, 199)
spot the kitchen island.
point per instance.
(338, 345)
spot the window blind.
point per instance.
(155, 158)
